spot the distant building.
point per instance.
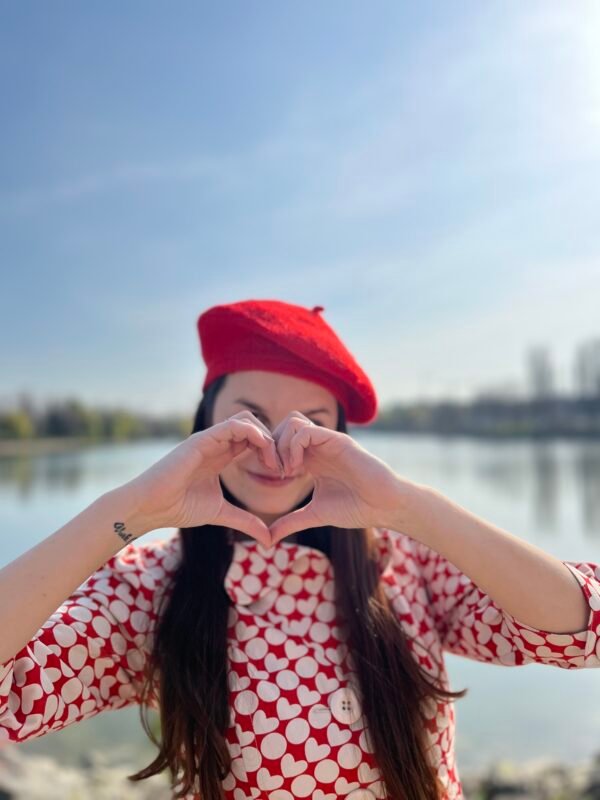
(504, 391)
(541, 375)
(587, 369)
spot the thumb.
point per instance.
(233, 517)
(298, 520)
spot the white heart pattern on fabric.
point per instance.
(292, 677)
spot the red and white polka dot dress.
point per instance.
(297, 728)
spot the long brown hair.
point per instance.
(187, 668)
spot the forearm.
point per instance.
(522, 579)
(36, 583)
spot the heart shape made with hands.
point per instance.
(352, 487)
(289, 457)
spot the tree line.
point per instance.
(73, 418)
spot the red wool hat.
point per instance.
(283, 337)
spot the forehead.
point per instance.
(271, 389)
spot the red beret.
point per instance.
(283, 337)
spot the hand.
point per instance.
(182, 489)
(352, 489)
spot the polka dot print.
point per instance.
(297, 726)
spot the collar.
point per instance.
(255, 571)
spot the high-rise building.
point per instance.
(587, 369)
(541, 375)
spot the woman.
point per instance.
(292, 632)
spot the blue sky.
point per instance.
(429, 173)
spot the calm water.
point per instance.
(545, 493)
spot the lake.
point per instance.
(547, 493)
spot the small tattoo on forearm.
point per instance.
(122, 533)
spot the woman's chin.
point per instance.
(270, 512)
(269, 502)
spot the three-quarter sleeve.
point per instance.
(90, 654)
(471, 624)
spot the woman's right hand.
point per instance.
(182, 489)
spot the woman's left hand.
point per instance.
(352, 487)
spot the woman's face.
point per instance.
(270, 396)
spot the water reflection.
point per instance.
(546, 483)
(557, 482)
(586, 477)
(76, 467)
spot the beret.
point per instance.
(277, 336)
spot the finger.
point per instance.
(298, 444)
(309, 435)
(240, 429)
(248, 415)
(283, 443)
(233, 517)
(268, 463)
(299, 520)
(270, 456)
(276, 461)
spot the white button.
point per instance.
(360, 794)
(344, 705)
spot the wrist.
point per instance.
(128, 519)
(414, 502)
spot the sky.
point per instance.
(428, 173)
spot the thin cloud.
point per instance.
(118, 177)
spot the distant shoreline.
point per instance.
(16, 447)
(57, 444)
(54, 444)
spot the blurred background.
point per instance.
(427, 173)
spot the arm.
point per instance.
(90, 653)
(34, 585)
(530, 584)
(494, 597)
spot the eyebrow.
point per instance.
(262, 411)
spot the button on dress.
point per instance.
(297, 728)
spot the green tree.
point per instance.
(16, 425)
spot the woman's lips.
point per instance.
(266, 481)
